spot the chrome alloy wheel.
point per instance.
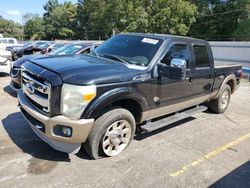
(116, 138)
(224, 99)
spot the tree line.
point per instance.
(100, 19)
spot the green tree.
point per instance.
(218, 19)
(34, 29)
(243, 31)
(10, 29)
(172, 16)
(102, 18)
(60, 20)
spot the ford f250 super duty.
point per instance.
(131, 82)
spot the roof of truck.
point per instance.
(165, 37)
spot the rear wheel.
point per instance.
(220, 104)
(111, 133)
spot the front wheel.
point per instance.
(111, 133)
(220, 104)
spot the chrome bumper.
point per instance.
(80, 128)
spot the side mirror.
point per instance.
(178, 63)
(176, 70)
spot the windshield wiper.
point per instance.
(115, 58)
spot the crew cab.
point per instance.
(131, 82)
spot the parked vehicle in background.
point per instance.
(69, 49)
(4, 42)
(5, 54)
(131, 82)
(33, 48)
(76, 48)
(52, 47)
(4, 65)
(15, 49)
(10, 48)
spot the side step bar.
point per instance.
(151, 126)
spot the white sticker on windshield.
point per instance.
(150, 41)
(77, 46)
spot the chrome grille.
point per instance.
(37, 91)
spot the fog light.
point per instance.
(63, 131)
(67, 131)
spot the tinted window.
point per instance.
(201, 56)
(138, 50)
(86, 51)
(179, 51)
(3, 41)
(38, 44)
(67, 50)
(11, 41)
(57, 46)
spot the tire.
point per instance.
(221, 104)
(111, 133)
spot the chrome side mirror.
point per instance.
(180, 64)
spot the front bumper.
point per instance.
(80, 128)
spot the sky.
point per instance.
(14, 9)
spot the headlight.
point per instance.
(74, 99)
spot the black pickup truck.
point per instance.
(131, 82)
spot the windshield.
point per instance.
(45, 45)
(136, 50)
(39, 44)
(57, 46)
(66, 50)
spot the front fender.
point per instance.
(111, 96)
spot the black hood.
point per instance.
(85, 70)
(22, 60)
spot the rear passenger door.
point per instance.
(201, 78)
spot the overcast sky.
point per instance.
(13, 9)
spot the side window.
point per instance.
(179, 51)
(86, 51)
(11, 41)
(4, 41)
(201, 56)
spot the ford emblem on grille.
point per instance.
(30, 88)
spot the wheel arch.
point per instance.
(126, 98)
(229, 80)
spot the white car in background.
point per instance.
(5, 65)
(5, 54)
(4, 42)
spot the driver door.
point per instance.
(171, 92)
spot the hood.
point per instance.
(85, 70)
(21, 61)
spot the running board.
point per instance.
(151, 126)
